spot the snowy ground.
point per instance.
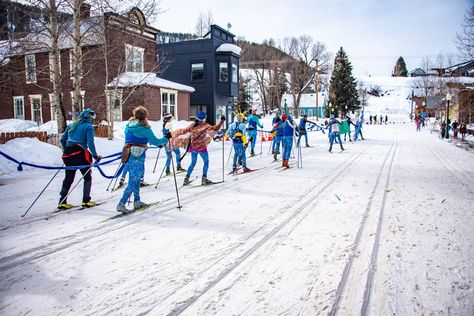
(387, 222)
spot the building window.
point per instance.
(81, 101)
(51, 62)
(36, 110)
(114, 99)
(134, 58)
(52, 107)
(197, 71)
(168, 102)
(223, 72)
(235, 73)
(19, 108)
(30, 68)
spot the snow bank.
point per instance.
(50, 128)
(15, 125)
(29, 150)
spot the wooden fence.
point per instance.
(101, 131)
(5, 137)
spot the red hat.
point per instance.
(283, 117)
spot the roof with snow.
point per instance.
(131, 79)
(229, 48)
(308, 100)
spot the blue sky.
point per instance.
(374, 33)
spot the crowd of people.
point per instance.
(374, 119)
(79, 149)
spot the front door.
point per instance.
(115, 102)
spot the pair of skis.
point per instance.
(75, 207)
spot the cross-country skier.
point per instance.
(358, 127)
(334, 123)
(252, 123)
(287, 125)
(201, 134)
(302, 129)
(349, 122)
(236, 132)
(77, 140)
(168, 127)
(278, 136)
(138, 134)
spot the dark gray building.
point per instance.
(210, 65)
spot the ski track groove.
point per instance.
(310, 197)
(341, 288)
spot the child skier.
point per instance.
(201, 134)
(167, 127)
(302, 130)
(77, 140)
(138, 134)
(278, 136)
(358, 127)
(236, 132)
(349, 122)
(334, 123)
(252, 124)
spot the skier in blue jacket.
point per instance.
(137, 135)
(287, 125)
(335, 134)
(302, 129)
(252, 123)
(77, 140)
(237, 133)
(278, 136)
(167, 127)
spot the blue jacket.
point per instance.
(80, 133)
(234, 128)
(279, 131)
(253, 121)
(287, 127)
(137, 133)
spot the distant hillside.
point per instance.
(259, 52)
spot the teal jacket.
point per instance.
(137, 133)
(81, 133)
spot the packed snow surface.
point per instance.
(387, 221)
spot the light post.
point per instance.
(346, 110)
(285, 107)
(448, 99)
(423, 110)
(330, 109)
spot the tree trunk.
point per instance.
(77, 57)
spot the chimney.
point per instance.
(85, 11)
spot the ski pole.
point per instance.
(175, 182)
(230, 153)
(41, 193)
(116, 176)
(161, 175)
(271, 147)
(223, 139)
(261, 145)
(116, 179)
(70, 190)
(156, 161)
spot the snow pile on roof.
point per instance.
(15, 125)
(229, 48)
(131, 79)
(29, 150)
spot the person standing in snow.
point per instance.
(463, 130)
(201, 133)
(358, 128)
(370, 118)
(138, 134)
(288, 129)
(386, 119)
(349, 122)
(334, 123)
(418, 123)
(236, 132)
(77, 140)
(168, 127)
(455, 126)
(278, 136)
(302, 130)
(381, 119)
(252, 123)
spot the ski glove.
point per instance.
(168, 135)
(97, 158)
(223, 118)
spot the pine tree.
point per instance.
(343, 96)
(400, 69)
(244, 98)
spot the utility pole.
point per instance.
(317, 89)
(411, 111)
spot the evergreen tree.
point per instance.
(343, 87)
(400, 69)
(244, 98)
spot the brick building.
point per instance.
(120, 43)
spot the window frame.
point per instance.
(83, 95)
(22, 98)
(235, 72)
(116, 94)
(169, 92)
(27, 73)
(40, 97)
(134, 49)
(221, 63)
(203, 71)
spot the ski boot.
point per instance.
(247, 169)
(180, 169)
(121, 182)
(186, 180)
(122, 209)
(286, 164)
(139, 204)
(307, 145)
(275, 157)
(342, 148)
(168, 172)
(234, 170)
(205, 181)
(143, 183)
(252, 153)
(88, 204)
(64, 206)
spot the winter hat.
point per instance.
(283, 117)
(167, 116)
(201, 115)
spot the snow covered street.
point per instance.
(382, 228)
